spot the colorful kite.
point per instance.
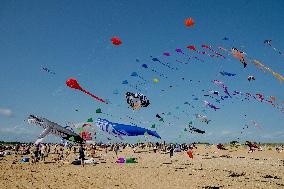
(72, 83)
(136, 100)
(210, 105)
(239, 55)
(215, 52)
(193, 48)
(221, 84)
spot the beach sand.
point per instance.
(233, 168)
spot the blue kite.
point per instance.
(223, 73)
(119, 130)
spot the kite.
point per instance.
(166, 54)
(116, 41)
(189, 22)
(86, 135)
(164, 64)
(155, 80)
(135, 74)
(252, 146)
(48, 70)
(178, 50)
(119, 130)
(189, 153)
(210, 105)
(136, 100)
(125, 82)
(160, 118)
(202, 118)
(72, 83)
(155, 71)
(221, 84)
(90, 120)
(257, 63)
(260, 97)
(98, 111)
(250, 77)
(264, 68)
(256, 124)
(239, 55)
(268, 42)
(215, 52)
(225, 38)
(223, 73)
(53, 128)
(191, 47)
(182, 62)
(214, 93)
(193, 129)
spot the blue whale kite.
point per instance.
(119, 130)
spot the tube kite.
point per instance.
(72, 83)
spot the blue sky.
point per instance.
(72, 38)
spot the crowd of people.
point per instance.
(62, 151)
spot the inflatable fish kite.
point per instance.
(119, 130)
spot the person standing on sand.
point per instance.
(82, 155)
(171, 151)
(42, 152)
(17, 149)
(93, 151)
(116, 148)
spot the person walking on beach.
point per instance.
(82, 154)
(116, 149)
(171, 151)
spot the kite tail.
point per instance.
(95, 97)
(153, 133)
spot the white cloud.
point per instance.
(5, 112)
(226, 132)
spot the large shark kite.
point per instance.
(54, 129)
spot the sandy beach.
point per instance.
(210, 168)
